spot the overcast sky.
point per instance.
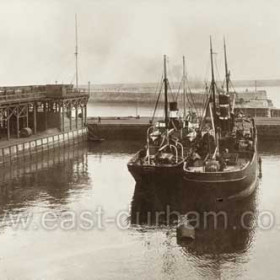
(124, 40)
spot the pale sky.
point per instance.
(123, 41)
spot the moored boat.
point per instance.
(164, 154)
(223, 160)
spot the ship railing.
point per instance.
(148, 144)
(176, 152)
(215, 152)
(178, 143)
(182, 149)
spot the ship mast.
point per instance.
(184, 86)
(214, 113)
(165, 81)
(213, 88)
(76, 51)
(226, 68)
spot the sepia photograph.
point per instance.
(139, 139)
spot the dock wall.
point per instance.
(136, 129)
(119, 131)
(27, 147)
(268, 130)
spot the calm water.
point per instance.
(64, 184)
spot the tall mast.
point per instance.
(226, 68)
(76, 51)
(184, 86)
(165, 93)
(213, 81)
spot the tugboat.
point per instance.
(164, 154)
(223, 160)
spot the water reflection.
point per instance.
(43, 179)
(115, 147)
(224, 231)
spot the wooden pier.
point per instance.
(49, 115)
(40, 108)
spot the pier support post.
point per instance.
(63, 113)
(70, 115)
(27, 112)
(8, 128)
(17, 123)
(45, 115)
(85, 115)
(59, 113)
(76, 116)
(35, 117)
(82, 115)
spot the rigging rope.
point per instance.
(218, 78)
(191, 97)
(205, 107)
(179, 88)
(169, 83)
(157, 100)
(159, 83)
(207, 71)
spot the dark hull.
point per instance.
(224, 185)
(160, 173)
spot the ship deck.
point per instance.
(240, 164)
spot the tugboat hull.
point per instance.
(223, 185)
(156, 173)
(160, 173)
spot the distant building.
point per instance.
(255, 104)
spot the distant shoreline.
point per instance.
(192, 84)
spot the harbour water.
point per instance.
(76, 214)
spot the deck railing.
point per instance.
(20, 96)
(11, 96)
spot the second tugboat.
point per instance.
(164, 154)
(223, 158)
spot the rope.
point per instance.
(178, 92)
(157, 101)
(191, 97)
(169, 83)
(207, 71)
(218, 73)
(157, 87)
(169, 86)
(205, 108)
